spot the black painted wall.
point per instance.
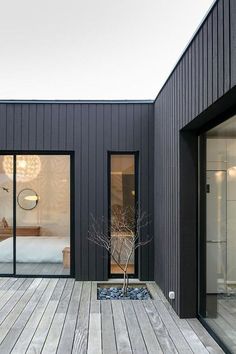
(198, 90)
(90, 130)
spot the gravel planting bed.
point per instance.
(115, 293)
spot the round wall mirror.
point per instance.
(27, 199)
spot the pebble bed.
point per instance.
(114, 293)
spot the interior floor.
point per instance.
(35, 269)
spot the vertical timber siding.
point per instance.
(89, 130)
(205, 73)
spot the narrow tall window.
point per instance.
(122, 208)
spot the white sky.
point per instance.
(92, 49)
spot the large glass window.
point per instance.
(218, 246)
(40, 212)
(122, 209)
(6, 217)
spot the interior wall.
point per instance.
(52, 185)
(221, 156)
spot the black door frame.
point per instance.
(14, 154)
(201, 309)
(189, 198)
(136, 161)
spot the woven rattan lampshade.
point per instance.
(27, 167)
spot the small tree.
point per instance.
(123, 236)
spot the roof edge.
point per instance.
(187, 46)
(78, 101)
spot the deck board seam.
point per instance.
(127, 328)
(139, 326)
(77, 317)
(113, 321)
(40, 317)
(37, 301)
(65, 317)
(16, 303)
(15, 307)
(51, 319)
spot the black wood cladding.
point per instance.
(206, 72)
(89, 130)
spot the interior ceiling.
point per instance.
(226, 129)
(122, 164)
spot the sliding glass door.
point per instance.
(6, 217)
(218, 232)
(122, 211)
(35, 204)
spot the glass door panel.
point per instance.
(122, 211)
(218, 231)
(43, 214)
(6, 215)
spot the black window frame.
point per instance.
(137, 199)
(14, 154)
(201, 249)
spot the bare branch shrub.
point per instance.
(121, 237)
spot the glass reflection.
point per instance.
(122, 199)
(6, 218)
(43, 215)
(219, 303)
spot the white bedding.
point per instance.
(34, 249)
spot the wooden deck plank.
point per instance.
(9, 307)
(95, 328)
(54, 333)
(67, 337)
(155, 291)
(7, 284)
(16, 311)
(82, 326)
(64, 316)
(135, 334)
(94, 336)
(43, 328)
(176, 335)
(204, 337)
(16, 329)
(160, 330)
(121, 333)
(6, 295)
(32, 324)
(108, 330)
(3, 281)
(189, 334)
(148, 333)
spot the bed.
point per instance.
(33, 249)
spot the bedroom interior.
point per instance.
(39, 208)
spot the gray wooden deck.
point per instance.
(63, 316)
